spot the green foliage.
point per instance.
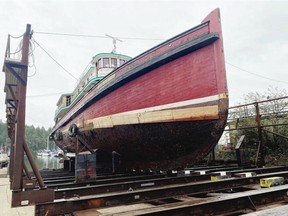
(273, 120)
(4, 140)
(36, 137)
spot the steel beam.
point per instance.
(33, 165)
(61, 183)
(240, 203)
(31, 197)
(20, 77)
(139, 185)
(20, 125)
(78, 203)
(280, 135)
(260, 158)
(85, 144)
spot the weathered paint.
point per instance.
(85, 169)
(164, 108)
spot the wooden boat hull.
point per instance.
(162, 110)
(163, 145)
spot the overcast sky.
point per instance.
(255, 40)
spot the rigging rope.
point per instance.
(94, 36)
(255, 74)
(45, 95)
(54, 59)
(16, 37)
(31, 54)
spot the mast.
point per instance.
(114, 42)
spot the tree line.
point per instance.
(35, 136)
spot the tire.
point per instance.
(58, 136)
(73, 130)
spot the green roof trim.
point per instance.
(111, 55)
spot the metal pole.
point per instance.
(260, 153)
(280, 135)
(20, 125)
(26, 171)
(33, 165)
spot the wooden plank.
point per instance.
(196, 113)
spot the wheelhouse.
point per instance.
(100, 66)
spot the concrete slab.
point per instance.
(276, 211)
(6, 194)
(4, 172)
(112, 210)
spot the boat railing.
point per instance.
(17, 54)
(59, 108)
(77, 89)
(7, 52)
(88, 69)
(78, 95)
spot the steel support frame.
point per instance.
(18, 156)
(260, 157)
(242, 203)
(23, 188)
(139, 185)
(159, 180)
(277, 134)
(85, 144)
(128, 197)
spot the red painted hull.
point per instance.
(163, 109)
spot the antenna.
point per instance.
(114, 42)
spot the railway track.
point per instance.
(160, 194)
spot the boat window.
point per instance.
(122, 61)
(106, 62)
(100, 63)
(113, 62)
(68, 100)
